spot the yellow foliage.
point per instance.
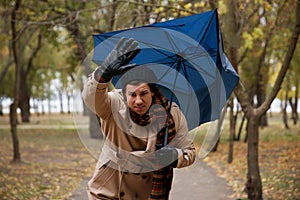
(257, 32)
(248, 40)
(200, 4)
(267, 6)
(159, 9)
(258, 1)
(188, 6)
(4, 51)
(184, 13)
(222, 7)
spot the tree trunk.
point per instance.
(24, 101)
(25, 92)
(253, 185)
(263, 120)
(1, 107)
(215, 148)
(219, 126)
(69, 106)
(232, 131)
(36, 107)
(74, 30)
(261, 90)
(13, 108)
(241, 128)
(61, 101)
(284, 113)
(246, 135)
(213, 4)
(112, 17)
(294, 105)
(49, 106)
(15, 140)
(43, 107)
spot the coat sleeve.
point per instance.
(183, 141)
(96, 98)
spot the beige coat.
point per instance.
(110, 179)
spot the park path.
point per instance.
(196, 182)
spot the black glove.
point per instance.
(117, 60)
(167, 156)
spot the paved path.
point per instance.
(197, 182)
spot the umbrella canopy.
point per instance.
(187, 57)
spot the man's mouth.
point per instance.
(139, 108)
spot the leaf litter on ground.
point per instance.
(54, 162)
(279, 162)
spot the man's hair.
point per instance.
(137, 76)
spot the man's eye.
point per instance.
(144, 92)
(131, 94)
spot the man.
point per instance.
(145, 135)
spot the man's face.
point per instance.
(139, 98)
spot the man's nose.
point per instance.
(138, 99)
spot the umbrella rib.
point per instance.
(189, 88)
(173, 44)
(157, 48)
(160, 49)
(206, 29)
(203, 71)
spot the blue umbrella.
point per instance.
(187, 56)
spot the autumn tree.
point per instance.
(263, 16)
(27, 28)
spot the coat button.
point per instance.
(122, 194)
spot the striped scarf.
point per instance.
(162, 178)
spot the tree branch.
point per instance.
(285, 66)
(158, 5)
(243, 97)
(33, 55)
(10, 59)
